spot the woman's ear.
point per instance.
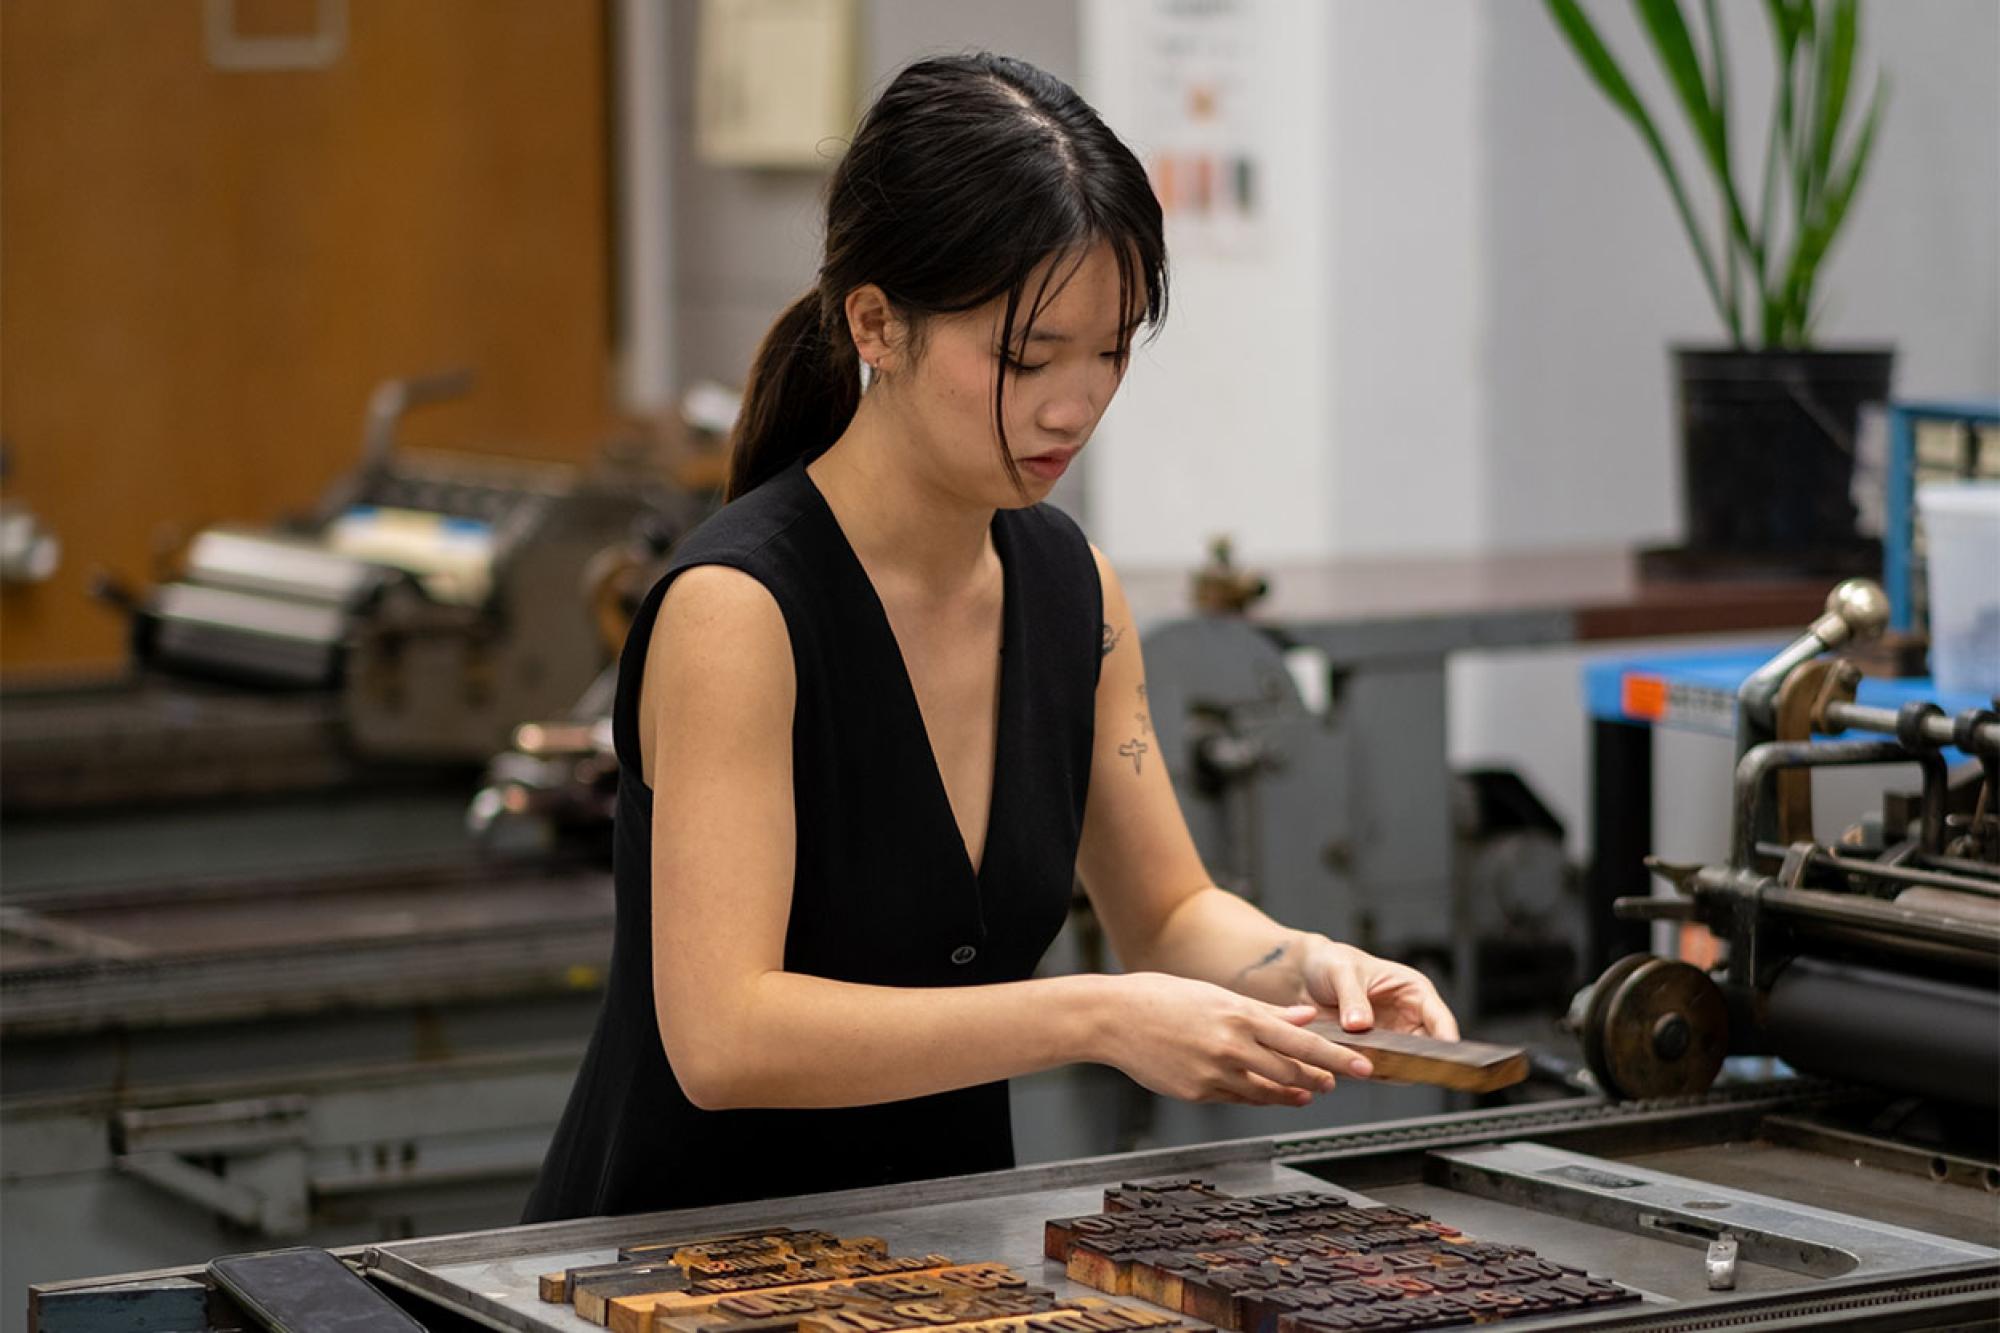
(880, 335)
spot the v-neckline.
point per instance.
(915, 709)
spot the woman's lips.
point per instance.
(1048, 466)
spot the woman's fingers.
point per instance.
(1437, 1017)
(1286, 1072)
(1350, 992)
(1253, 1089)
(1312, 1049)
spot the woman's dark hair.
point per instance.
(967, 174)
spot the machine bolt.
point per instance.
(1670, 1037)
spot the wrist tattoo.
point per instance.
(1109, 635)
(1135, 750)
(1277, 952)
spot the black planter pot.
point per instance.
(1767, 450)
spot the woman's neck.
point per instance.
(899, 521)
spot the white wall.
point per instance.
(1221, 424)
(1458, 341)
(1407, 177)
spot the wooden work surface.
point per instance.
(1600, 587)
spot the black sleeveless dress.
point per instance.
(883, 892)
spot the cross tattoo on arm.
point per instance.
(1135, 750)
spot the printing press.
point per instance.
(1854, 1185)
(428, 603)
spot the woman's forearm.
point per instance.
(1214, 935)
(791, 1040)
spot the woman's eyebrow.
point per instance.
(1056, 336)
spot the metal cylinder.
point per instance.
(1887, 1029)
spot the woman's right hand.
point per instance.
(1202, 1043)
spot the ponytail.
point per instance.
(804, 388)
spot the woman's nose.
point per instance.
(1067, 414)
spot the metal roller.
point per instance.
(1889, 1029)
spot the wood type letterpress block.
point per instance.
(751, 1313)
(1217, 1296)
(1134, 1195)
(1407, 1261)
(1158, 1275)
(694, 1247)
(591, 1297)
(634, 1314)
(561, 1287)
(1262, 1312)
(1408, 1057)
(1501, 1301)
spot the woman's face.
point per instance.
(1060, 378)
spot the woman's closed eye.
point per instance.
(1020, 367)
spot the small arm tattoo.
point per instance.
(1109, 635)
(1145, 724)
(1135, 750)
(1268, 959)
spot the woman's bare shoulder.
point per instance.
(721, 656)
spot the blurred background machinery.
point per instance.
(429, 603)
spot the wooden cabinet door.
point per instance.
(203, 271)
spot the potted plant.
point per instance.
(1768, 422)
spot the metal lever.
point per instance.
(1856, 609)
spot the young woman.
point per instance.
(884, 708)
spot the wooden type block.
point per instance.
(635, 1313)
(737, 1245)
(968, 1310)
(1218, 1297)
(1343, 1320)
(1128, 1233)
(1294, 1201)
(1593, 1290)
(1261, 1312)
(713, 1243)
(569, 1283)
(1157, 1276)
(738, 1314)
(1408, 1057)
(775, 1264)
(1140, 1194)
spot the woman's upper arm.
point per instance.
(1137, 860)
(715, 715)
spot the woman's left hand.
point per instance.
(1360, 991)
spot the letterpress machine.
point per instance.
(1875, 958)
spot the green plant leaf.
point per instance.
(1836, 55)
(1675, 49)
(1674, 46)
(1816, 238)
(1603, 69)
(1784, 26)
(1739, 247)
